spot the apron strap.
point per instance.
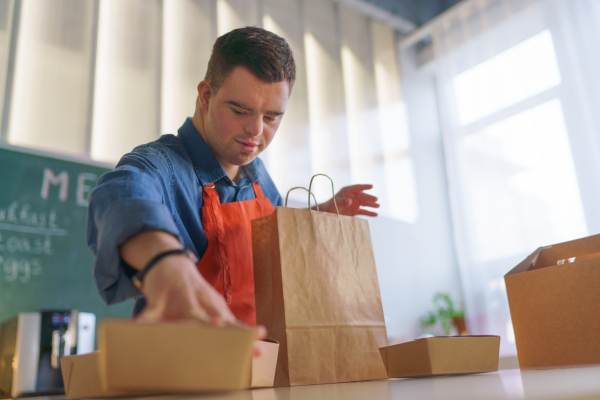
(210, 198)
(258, 191)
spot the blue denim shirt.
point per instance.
(158, 186)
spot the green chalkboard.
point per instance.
(44, 259)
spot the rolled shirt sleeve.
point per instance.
(127, 201)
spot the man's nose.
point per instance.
(254, 126)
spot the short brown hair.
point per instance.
(265, 54)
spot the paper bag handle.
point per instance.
(332, 191)
(300, 187)
(334, 202)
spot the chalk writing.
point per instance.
(18, 214)
(23, 232)
(21, 214)
(83, 189)
(85, 183)
(62, 179)
(20, 269)
(14, 244)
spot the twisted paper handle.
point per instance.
(334, 202)
(303, 188)
(332, 192)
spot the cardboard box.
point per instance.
(81, 376)
(445, 355)
(173, 357)
(263, 367)
(554, 308)
(141, 359)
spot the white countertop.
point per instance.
(507, 384)
(571, 383)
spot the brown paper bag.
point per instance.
(317, 293)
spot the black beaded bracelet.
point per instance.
(139, 277)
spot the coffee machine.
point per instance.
(31, 345)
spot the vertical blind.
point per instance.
(95, 78)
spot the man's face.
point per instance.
(242, 117)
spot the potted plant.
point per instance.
(446, 314)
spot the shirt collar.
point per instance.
(207, 167)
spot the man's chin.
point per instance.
(242, 160)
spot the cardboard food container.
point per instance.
(263, 367)
(173, 357)
(141, 359)
(81, 376)
(554, 307)
(444, 355)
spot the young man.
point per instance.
(199, 190)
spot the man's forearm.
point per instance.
(138, 250)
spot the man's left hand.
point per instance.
(350, 200)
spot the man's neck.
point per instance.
(232, 171)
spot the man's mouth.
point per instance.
(249, 147)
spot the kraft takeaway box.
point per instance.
(81, 376)
(172, 349)
(263, 367)
(173, 357)
(81, 373)
(447, 355)
(554, 307)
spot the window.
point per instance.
(512, 76)
(511, 162)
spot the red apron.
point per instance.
(227, 263)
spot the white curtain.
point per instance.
(519, 95)
(52, 73)
(126, 72)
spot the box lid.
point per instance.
(444, 355)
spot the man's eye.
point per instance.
(271, 118)
(236, 112)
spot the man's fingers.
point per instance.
(202, 316)
(366, 198)
(207, 303)
(150, 315)
(214, 306)
(366, 212)
(368, 204)
(374, 205)
(261, 332)
(359, 188)
(256, 351)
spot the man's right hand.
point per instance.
(173, 288)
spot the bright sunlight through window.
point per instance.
(507, 78)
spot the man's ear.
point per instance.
(205, 93)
